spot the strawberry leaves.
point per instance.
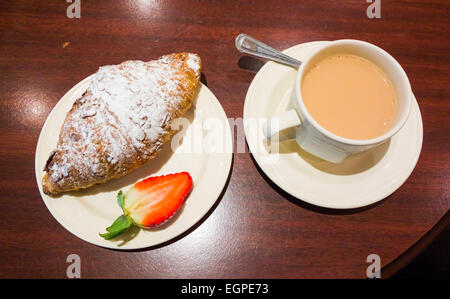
(119, 226)
(120, 199)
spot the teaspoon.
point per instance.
(249, 45)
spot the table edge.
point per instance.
(412, 252)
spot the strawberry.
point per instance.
(150, 202)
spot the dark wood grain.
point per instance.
(255, 230)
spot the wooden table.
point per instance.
(254, 230)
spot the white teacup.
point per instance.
(317, 140)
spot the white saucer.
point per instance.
(88, 212)
(360, 180)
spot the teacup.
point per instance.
(313, 137)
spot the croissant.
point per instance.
(121, 121)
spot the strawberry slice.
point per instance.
(150, 202)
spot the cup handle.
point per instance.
(280, 122)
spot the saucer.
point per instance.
(360, 180)
(86, 213)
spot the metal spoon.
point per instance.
(249, 45)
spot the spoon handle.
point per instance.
(249, 45)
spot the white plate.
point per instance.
(360, 180)
(88, 212)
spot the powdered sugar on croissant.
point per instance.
(121, 121)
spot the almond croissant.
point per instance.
(121, 121)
